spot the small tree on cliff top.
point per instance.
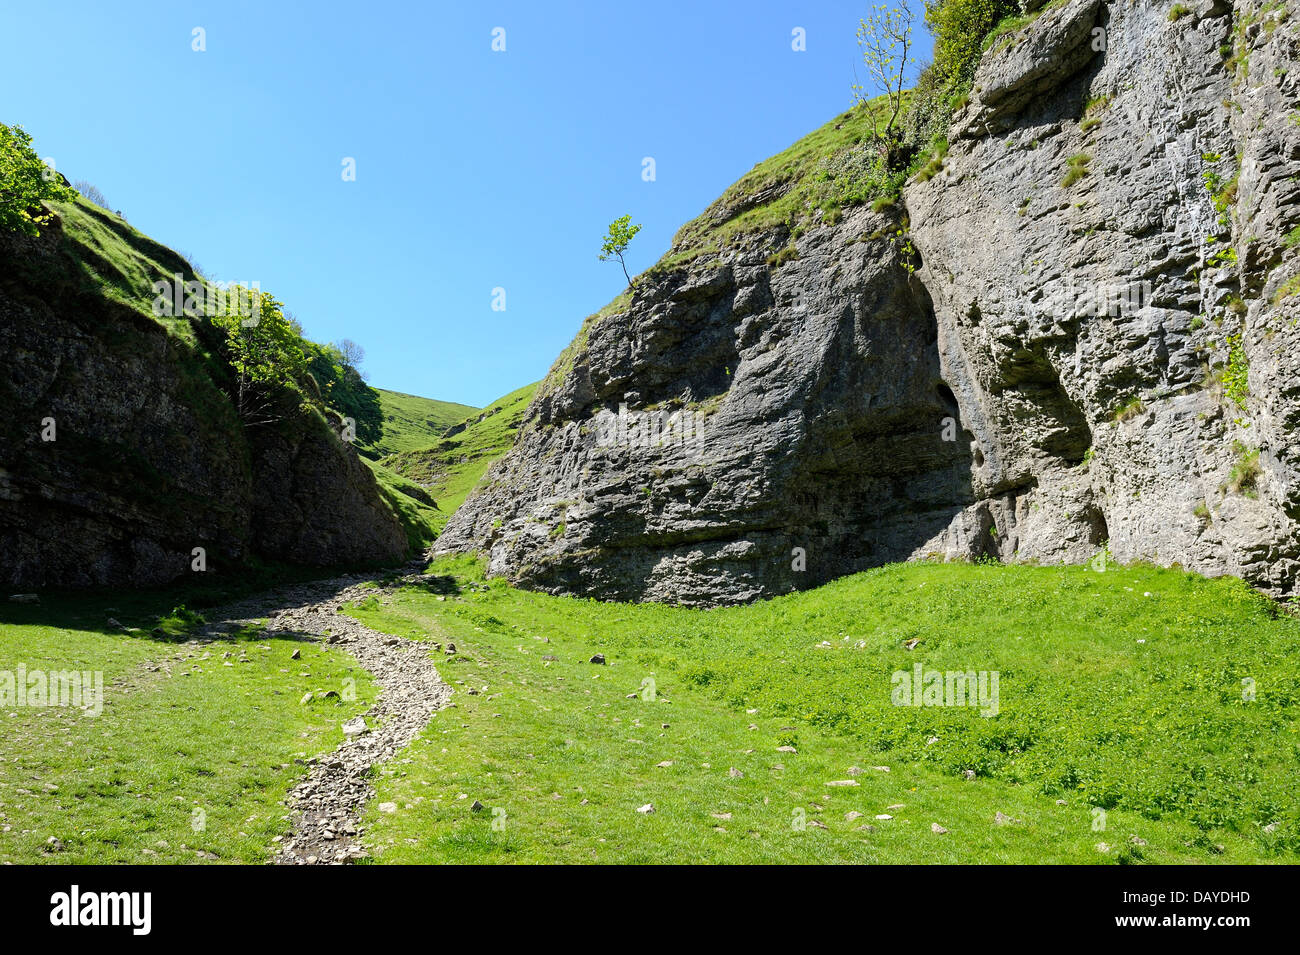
(885, 38)
(621, 232)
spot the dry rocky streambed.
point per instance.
(327, 804)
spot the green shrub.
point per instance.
(25, 182)
(1235, 373)
(1246, 472)
(1178, 12)
(959, 29)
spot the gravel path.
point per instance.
(327, 804)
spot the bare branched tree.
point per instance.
(353, 355)
(885, 39)
(91, 192)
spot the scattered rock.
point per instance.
(937, 829)
(646, 809)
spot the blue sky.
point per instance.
(475, 169)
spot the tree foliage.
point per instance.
(266, 352)
(25, 181)
(621, 232)
(959, 28)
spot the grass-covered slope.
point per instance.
(413, 505)
(411, 422)
(1145, 715)
(450, 469)
(195, 748)
(833, 167)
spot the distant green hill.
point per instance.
(451, 468)
(411, 422)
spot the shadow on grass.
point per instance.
(216, 608)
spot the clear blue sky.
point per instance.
(475, 169)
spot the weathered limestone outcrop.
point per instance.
(1102, 316)
(812, 399)
(1098, 324)
(149, 459)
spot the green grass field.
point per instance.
(764, 733)
(1121, 694)
(450, 469)
(195, 748)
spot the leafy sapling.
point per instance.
(621, 232)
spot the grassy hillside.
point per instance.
(1124, 731)
(412, 504)
(832, 168)
(450, 469)
(411, 422)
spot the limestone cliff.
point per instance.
(148, 459)
(1078, 330)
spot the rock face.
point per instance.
(1098, 325)
(148, 458)
(776, 418)
(1098, 346)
